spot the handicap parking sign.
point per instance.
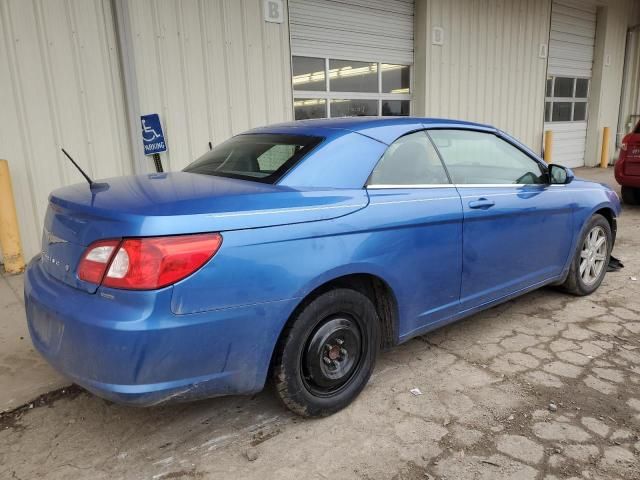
(152, 135)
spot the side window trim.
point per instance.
(535, 158)
(381, 186)
(497, 133)
(494, 132)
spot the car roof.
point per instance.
(383, 129)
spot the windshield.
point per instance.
(258, 157)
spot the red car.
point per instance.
(627, 168)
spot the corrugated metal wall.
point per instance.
(59, 85)
(210, 68)
(613, 19)
(488, 68)
(630, 108)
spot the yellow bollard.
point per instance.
(548, 146)
(604, 156)
(9, 233)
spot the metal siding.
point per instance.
(211, 69)
(60, 85)
(631, 90)
(605, 97)
(353, 29)
(488, 69)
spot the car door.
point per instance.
(418, 222)
(517, 228)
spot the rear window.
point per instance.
(257, 157)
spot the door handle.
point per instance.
(482, 203)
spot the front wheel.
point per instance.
(590, 261)
(325, 356)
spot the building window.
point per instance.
(326, 87)
(566, 99)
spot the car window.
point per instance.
(410, 160)
(275, 156)
(257, 157)
(483, 158)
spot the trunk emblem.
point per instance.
(52, 239)
(45, 257)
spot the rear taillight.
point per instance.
(147, 263)
(96, 259)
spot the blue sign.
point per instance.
(152, 135)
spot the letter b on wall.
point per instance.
(273, 11)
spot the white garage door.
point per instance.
(571, 45)
(351, 57)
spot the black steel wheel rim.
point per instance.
(333, 355)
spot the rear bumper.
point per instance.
(624, 179)
(130, 348)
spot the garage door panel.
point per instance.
(353, 29)
(572, 38)
(571, 45)
(567, 142)
(311, 13)
(570, 69)
(567, 64)
(564, 140)
(570, 149)
(569, 127)
(571, 51)
(404, 7)
(577, 10)
(339, 35)
(575, 28)
(339, 51)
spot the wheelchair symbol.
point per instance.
(148, 133)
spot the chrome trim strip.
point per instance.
(463, 185)
(496, 185)
(417, 185)
(491, 195)
(457, 185)
(413, 200)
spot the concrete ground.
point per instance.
(544, 387)
(23, 373)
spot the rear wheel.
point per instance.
(630, 195)
(326, 355)
(590, 261)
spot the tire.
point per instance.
(585, 281)
(326, 354)
(630, 195)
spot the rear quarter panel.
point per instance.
(279, 263)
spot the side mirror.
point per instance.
(559, 175)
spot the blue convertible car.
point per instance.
(297, 251)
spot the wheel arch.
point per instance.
(609, 214)
(369, 284)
